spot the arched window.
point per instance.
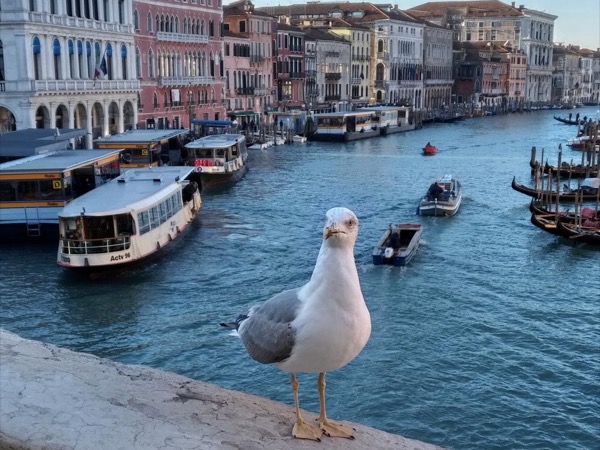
(71, 68)
(88, 53)
(2, 62)
(138, 63)
(56, 54)
(136, 20)
(380, 45)
(149, 22)
(109, 61)
(124, 61)
(150, 64)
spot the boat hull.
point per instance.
(439, 208)
(216, 181)
(344, 137)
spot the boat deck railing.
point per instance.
(95, 246)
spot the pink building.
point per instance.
(179, 62)
(250, 86)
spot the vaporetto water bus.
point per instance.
(392, 119)
(146, 148)
(34, 189)
(220, 159)
(128, 220)
(344, 126)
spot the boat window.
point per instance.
(234, 151)
(51, 189)
(154, 217)
(99, 227)
(125, 225)
(8, 191)
(144, 222)
(220, 153)
(330, 121)
(163, 209)
(109, 171)
(27, 190)
(204, 153)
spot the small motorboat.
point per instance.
(443, 197)
(430, 149)
(398, 244)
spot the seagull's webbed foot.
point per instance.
(303, 430)
(336, 429)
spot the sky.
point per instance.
(578, 21)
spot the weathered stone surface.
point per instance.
(52, 398)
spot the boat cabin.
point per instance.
(34, 189)
(218, 153)
(146, 148)
(205, 127)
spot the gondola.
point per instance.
(567, 121)
(587, 234)
(570, 196)
(568, 170)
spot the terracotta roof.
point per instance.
(469, 8)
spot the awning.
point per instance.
(243, 114)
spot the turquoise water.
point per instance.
(489, 339)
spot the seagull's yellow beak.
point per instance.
(330, 231)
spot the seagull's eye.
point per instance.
(351, 223)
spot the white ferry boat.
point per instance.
(344, 126)
(129, 219)
(220, 159)
(392, 119)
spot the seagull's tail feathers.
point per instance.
(234, 325)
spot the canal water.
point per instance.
(489, 339)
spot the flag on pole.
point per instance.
(101, 69)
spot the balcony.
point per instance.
(80, 23)
(380, 84)
(382, 55)
(261, 91)
(332, 98)
(311, 73)
(333, 76)
(332, 54)
(357, 80)
(297, 75)
(256, 58)
(245, 91)
(185, 81)
(69, 86)
(180, 37)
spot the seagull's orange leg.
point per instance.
(329, 428)
(302, 430)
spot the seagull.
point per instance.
(318, 327)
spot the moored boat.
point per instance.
(568, 121)
(344, 126)
(34, 189)
(587, 232)
(587, 192)
(129, 219)
(221, 159)
(392, 119)
(398, 244)
(443, 198)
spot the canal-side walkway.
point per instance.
(52, 398)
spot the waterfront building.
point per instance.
(360, 38)
(438, 80)
(68, 64)
(595, 98)
(256, 27)
(289, 67)
(179, 62)
(311, 93)
(332, 54)
(586, 59)
(566, 75)
(517, 78)
(239, 91)
(520, 28)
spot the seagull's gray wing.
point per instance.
(267, 333)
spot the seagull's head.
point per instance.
(341, 226)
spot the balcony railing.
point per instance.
(332, 54)
(382, 55)
(256, 58)
(330, 98)
(79, 22)
(297, 75)
(333, 76)
(380, 84)
(69, 85)
(185, 81)
(261, 91)
(245, 91)
(165, 36)
(357, 80)
(311, 73)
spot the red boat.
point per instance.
(430, 149)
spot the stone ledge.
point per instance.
(52, 398)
